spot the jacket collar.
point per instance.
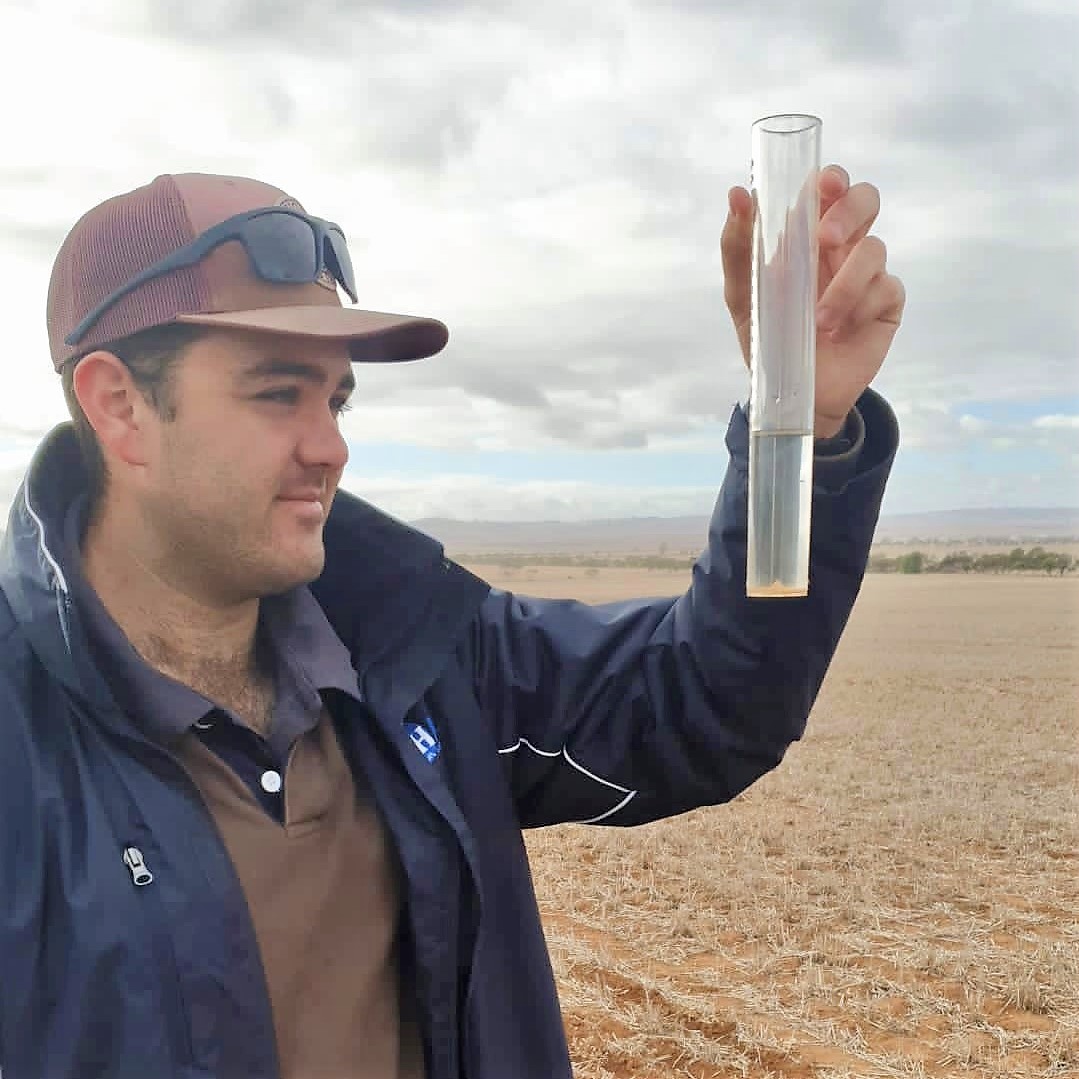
(394, 599)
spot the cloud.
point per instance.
(973, 424)
(1057, 423)
(1000, 94)
(930, 425)
(485, 498)
(990, 320)
(30, 239)
(847, 28)
(9, 485)
(554, 188)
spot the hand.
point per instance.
(860, 304)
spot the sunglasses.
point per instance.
(285, 247)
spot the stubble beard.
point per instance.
(229, 560)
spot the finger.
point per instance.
(833, 175)
(832, 184)
(736, 246)
(882, 302)
(851, 282)
(739, 201)
(849, 219)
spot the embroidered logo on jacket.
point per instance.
(425, 738)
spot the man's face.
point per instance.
(239, 480)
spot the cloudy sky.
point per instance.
(550, 180)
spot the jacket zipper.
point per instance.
(162, 943)
(162, 949)
(135, 862)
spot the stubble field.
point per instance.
(899, 898)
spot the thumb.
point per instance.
(736, 246)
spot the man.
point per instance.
(265, 753)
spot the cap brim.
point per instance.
(373, 336)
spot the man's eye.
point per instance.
(339, 407)
(284, 396)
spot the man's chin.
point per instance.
(304, 568)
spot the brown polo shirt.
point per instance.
(315, 862)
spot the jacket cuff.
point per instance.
(879, 440)
(835, 459)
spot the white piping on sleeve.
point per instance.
(564, 753)
(528, 745)
(605, 782)
(61, 580)
(610, 812)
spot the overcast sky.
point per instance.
(550, 180)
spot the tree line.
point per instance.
(1017, 560)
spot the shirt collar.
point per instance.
(308, 655)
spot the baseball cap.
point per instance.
(123, 236)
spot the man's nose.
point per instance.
(323, 444)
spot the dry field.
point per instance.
(899, 898)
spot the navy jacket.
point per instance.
(126, 948)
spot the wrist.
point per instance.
(827, 427)
(847, 442)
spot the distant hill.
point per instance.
(674, 534)
(991, 524)
(613, 535)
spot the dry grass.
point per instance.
(900, 898)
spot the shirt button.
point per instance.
(271, 782)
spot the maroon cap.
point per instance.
(113, 242)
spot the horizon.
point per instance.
(1008, 527)
(956, 512)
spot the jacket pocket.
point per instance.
(162, 950)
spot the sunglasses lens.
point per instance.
(282, 248)
(344, 269)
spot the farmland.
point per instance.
(899, 898)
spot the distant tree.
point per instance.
(991, 563)
(956, 562)
(913, 562)
(881, 563)
(1038, 558)
(1060, 562)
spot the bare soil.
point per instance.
(899, 898)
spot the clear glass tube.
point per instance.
(786, 204)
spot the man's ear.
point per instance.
(114, 406)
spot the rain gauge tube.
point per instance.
(783, 334)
